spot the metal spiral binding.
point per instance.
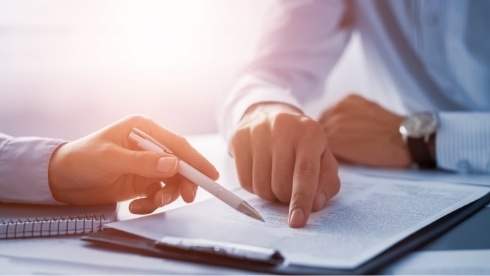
(53, 226)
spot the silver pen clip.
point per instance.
(137, 135)
(225, 249)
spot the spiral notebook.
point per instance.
(26, 220)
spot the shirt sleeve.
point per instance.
(24, 163)
(301, 42)
(463, 142)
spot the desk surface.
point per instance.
(468, 244)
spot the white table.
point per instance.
(70, 255)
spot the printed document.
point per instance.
(368, 216)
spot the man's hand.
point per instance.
(105, 167)
(281, 154)
(362, 132)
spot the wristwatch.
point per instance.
(416, 131)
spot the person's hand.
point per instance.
(281, 154)
(105, 167)
(362, 132)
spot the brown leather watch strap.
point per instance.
(419, 150)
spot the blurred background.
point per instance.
(68, 68)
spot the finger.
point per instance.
(336, 122)
(328, 183)
(337, 108)
(176, 143)
(305, 183)
(145, 205)
(325, 117)
(140, 186)
(169, 193)
(243, 164)
(282, 172)
(241, 150)
(188, 190)
(181, 148)
(130, 187)
(182, 186)
(142, 206)
(144, 163)
(262, 167)
(348, 104)
(261, 175)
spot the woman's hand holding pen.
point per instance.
(105, 167)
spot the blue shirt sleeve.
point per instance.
(420, 55)
(463, 142)
(24, 163)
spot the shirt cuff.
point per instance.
(24, 164)
(462, 142)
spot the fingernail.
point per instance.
(297, 218)
(167, 164)
(165, 200)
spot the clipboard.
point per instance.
(113, 239)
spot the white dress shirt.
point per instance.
(24, 163)
(430, 55)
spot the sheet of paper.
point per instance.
(368, 216)
(447, 262)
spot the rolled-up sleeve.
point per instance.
(463, 142)
(300, 44)
(24, 163)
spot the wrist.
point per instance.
(418, 131)
(55, 173)
(432, 146)
(271, 108)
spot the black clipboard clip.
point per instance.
(239, 256)
(232, 251)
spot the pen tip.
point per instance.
(246, 209)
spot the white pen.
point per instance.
(146, 142)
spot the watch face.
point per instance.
(419, 125)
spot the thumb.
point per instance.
(144, 163)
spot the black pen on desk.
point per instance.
(146, 142)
